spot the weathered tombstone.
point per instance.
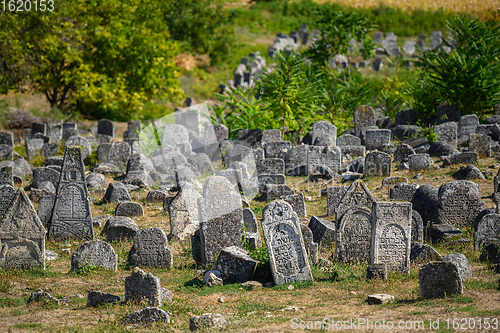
(6, 177)
(119, 153)
(38, 128)
(273, 191)
(448, 113)
(183, 212)
(487, 231)
(439, 278)
(348, 140)
(7, 138)
(106, 127)
(333, 196)
(364, 116)
(419, 162)
(425, 201)
(378, 139)
(80, 141)
(174, 134)
(354, 224)
(45, 208)
(324, 161)
(5, 152)
(54, 130)
(22, 235)
(33, 146)
(296, 160)
(72, 217)
(285, 245)
(250, 221)
(377, 37)
(96, 253)
(436, 39)
(447, 132)
(464, 267)
(459, 203)
(252, 136)
(271, 166)
(481, 144)
(409, 47)
(297, 203)
(276, 149)
(324, 134)
(133, 129)
(391, 235)
(271, 135)
(129, 208)
(467, 125)
(235, 265)
(377, 164)
(417, 227)
(220, 216)
(7, 194)
(151, 249)
(323, 231)
(141, 286)
(45, 174)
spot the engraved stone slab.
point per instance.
(323, 157)
(7, 138)
(481, 144)
(270, 135)
(250, 221)
(364, 116)
(119, 153)
(297, 203)
(22, 235)
(439, 278)
(285, 245)
(467, 124)
(174, 134)
(323, 231)
(459, 203)
(80, 141)
(417, 227)
(45, 208)
(54, 130)
(447, 132)
(356, 195)
(348, 140)
(271, 166)
(353, 237)
(44, 174)
(183, 212)
(33, 146)
(94, 252)
(425, 202)
(403, 191)
(7, 194)
(333, 196)
(141, 286)
(391, 235)
(221, 217)
(419, 162)
(277, 149)
(377, 164)
(378, 139)
(6, 177)
(487, 231)
(324, 134)
(151, 249)
(72, 217)
(106, 127)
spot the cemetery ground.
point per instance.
(338, 292)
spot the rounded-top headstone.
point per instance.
(95, 252)
(174, 134)
(439, 278)
(464, 267)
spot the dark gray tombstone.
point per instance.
(151, 249)
(377, 164)
(106, 127)
(364, 116)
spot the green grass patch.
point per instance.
(27, 325)
(6, 302)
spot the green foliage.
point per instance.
(394, 95)
(90, 269)
(92, 159)
(469, 75)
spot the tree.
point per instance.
(102, 58)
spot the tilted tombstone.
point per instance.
(250, 221)
(106, 127)
(183, 212)
(72, 217)
(221, 217)
(324, 134)
(438, 279)
(320, 158)
(323, 231)
(7, 194)
(481, 144)
(377, 164)
(467, 124)
(487, 231)
(459, 203)
(419, 162)
(333, 196)
(22, 235)
(348, 140)
(417, 227)
(141, 286)
(496, 182)
(425, 201)
(364, 116)
(391, 235)
(54, 130)
(6, 177)
(151, 249)
(45, 174)
(447, 132)
(94, 252)
(285, 245)
(297, 203)
(392, 181)
(354, 224)
(378, 139)
(448, 113)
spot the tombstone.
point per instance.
(96, 253)
(235, 265)
(44, 174)
(481, 144)
(377, 37)
(333, 196)
(215, 133)
(119, 153)
(324, 134)
(438, 278)
(45, 207)
(425, 202)
(6, 177)
(54, 130)
(32, 147)
(129, 208)
(419, 162)
(296, 160)
(151, 249)
(348, 140)
(22, 235)
(377, 64)
(354, 224)
(276, 149)
(436, 39)
(297, 203)
(72, 217)
(221, 218)
(312, 248)
(391, 235)
(80, 141)
(378, 139)
(251, 136)
(389, 182)
(133, 129)
(106, 127)
(364, 116)
(38, 128)
(459, 203)
(271, 166)
(285, 245)
(487, 231)
(117, 192)
(447, 113)
(141, 286)
(7, 138)
(7, 194)
(6, 152)
(377, 164)
(467, 125)
(464, 267)
(325, 161)
(447, 132)
(119, 228)
(409, 47)
(183, 212)
(323, 231)
(417, 227)
(173, 134)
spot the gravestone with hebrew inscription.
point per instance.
(183, 212)
(487, 231)
(323, 161)
(22, 235)
(333, 196)
(285, 246)
(72, 217)
(364, 116)
(324, 134)
(151, 249)
(377, 164)
(221, 218)
(391, 235)
(94, 252)
(354, 224)
(459, 203)
(7, 194)
(6, 177)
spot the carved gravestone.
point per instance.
(378, 139)
(80, 141)
(45, 207)
(487, 231)
(277, 149)
(364, 116)
(391, 235)
(22, 235)
(323, 161)
(141, 286)
(377, 164)
(6, 177)
(348, 140)
(354, 224)
(417, 227)
(481, 144)
(7, 194)
(38, 128)
(72, 217)
(270, 135)
(425, 201)
(94, 252)
(324, 134)
(333, 196)
(467, 124)
(270, 166)
(285, 245)
(419, 162)
(106, 127)
(459, 203)
(33, 146)
(297, 203)
(119, 153)
(296, 160)
(438, 279)
(183, 212)
(447, 113)
(323, 231)
(7, 138)
(54, 130)
(403, 191)
(250, 221)
(447, 132)
(403, 151)
(151, 249)
(311, 246)
(221, 218)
